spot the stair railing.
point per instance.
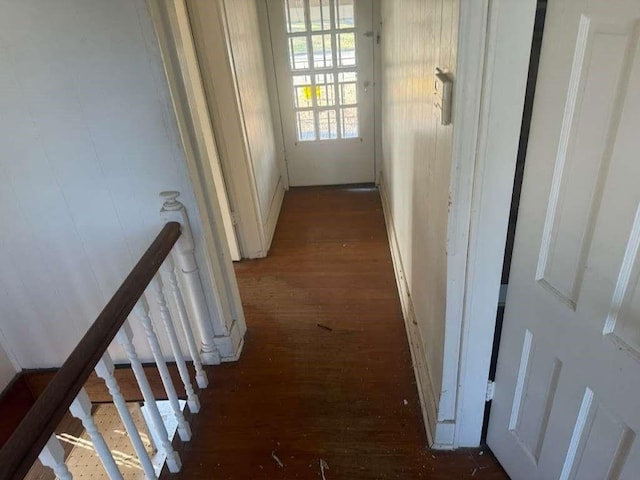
(166, 270)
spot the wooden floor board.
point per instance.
(326, 372)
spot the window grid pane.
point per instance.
(302, 91)
(327, 124)
(320, 15)
(322, 56)
(298, 54)
(348, 94)
(349, 122)
(306, 125)
(345, 15)
(325, 90)
(325, 102)
(294, 10)
(346, 49)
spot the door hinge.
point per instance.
(491, 388)
(235, 218)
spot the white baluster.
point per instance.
(52, 456)
(124, 338)
(81, 409)
(165, 315)
(104, 369)
(167, 272)
(185, 260)
(141, 310)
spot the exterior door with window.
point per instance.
(323, 54)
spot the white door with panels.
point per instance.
(567, 391)
(323, 54)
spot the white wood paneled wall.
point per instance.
(250, 72)
(87, 141)
(230, 52)
(417, 37)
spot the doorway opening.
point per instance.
(323, 52)
(536, 45)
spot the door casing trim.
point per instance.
(493, 63)
(185, 86)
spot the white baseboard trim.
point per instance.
(230, 346)
(274, 212)
(428, 402)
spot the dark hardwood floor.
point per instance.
(326, 371)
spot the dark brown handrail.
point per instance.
(31, 435)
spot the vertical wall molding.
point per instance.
(227, 314)
(472, 33)
(506, 50)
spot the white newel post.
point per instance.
(141, 310)
(52, 456)
(125, 338)
(169, 280)
(81, 409)
(104, 369)
(184, 257)
(165, 315)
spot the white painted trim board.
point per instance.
(508, 47)
(226, 304)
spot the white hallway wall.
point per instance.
(417, 37)
(249, 66)
(230, 52)
(87, 141)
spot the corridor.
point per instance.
(325, 375)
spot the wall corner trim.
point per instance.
(473, 24)
(506, 47)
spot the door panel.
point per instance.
(568, 375)
(323, 53)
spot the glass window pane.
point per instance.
(344, 77)
(305, 126)
(327, 124)
(325, 90)
(298, 55)
(349, 122)
(345, 15)
(322, 51)
(348, 87)
(294, 10)
(346, 49)
(348, 94)
(301, 80)
(302, 91)
(320, 15)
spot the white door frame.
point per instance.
(210, 33)
(187, 94)
(190, 71)
(493, 61)
(272, 87)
